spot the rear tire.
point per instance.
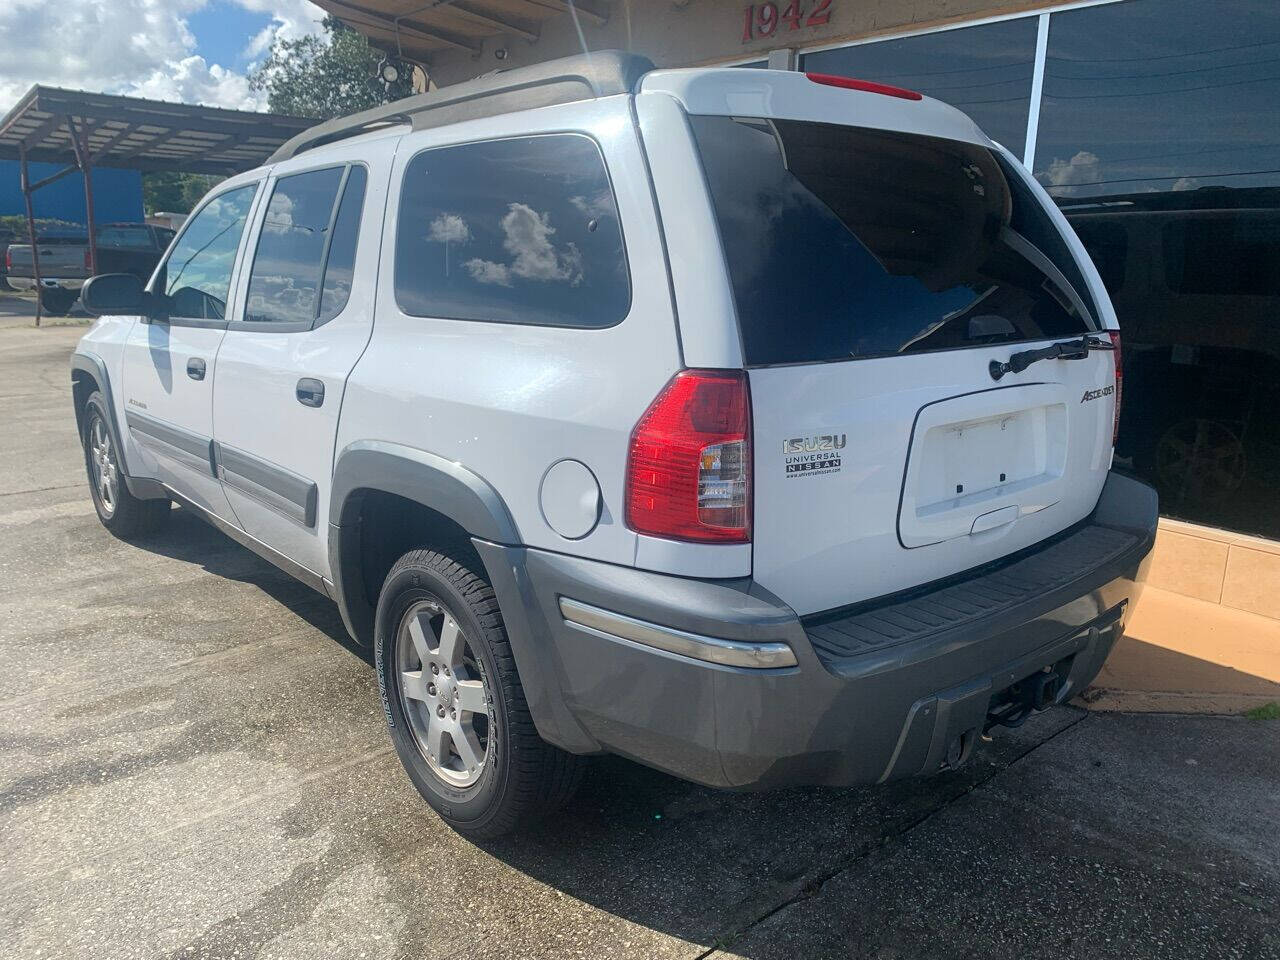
(121, 512)
(439, 642)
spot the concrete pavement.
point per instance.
(193, 764)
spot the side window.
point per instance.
(523, 230)
(285, 280)
(340, 264)
(197, 275)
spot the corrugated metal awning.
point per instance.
(141, 134)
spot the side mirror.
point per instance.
(114, 294)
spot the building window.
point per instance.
(1159, 137)
(984, 70)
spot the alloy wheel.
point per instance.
(102, 465)
(445, 695)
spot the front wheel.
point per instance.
(120, 511)
(454, 703)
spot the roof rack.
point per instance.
(585, 77)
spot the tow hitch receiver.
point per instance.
(1011, 707)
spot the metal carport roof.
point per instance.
(85, 130)
(141, 134)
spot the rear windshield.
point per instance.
(843, 242)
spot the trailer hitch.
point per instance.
(1037, 692)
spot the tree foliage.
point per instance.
(175, 192)
(326, 76)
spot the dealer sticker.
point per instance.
(813, 456)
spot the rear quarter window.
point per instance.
(843, 242)
(522, 230)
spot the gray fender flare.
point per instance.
(88, 363)
(95, 368)
(426, 478)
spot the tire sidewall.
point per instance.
(470, 806)
(95, 411)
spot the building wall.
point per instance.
(117, 194)
(677, 33)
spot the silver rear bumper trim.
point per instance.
(729, 653)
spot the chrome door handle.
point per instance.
(310, 392)
(195, 368)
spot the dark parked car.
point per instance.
(64, 259)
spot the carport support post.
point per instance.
(31, 224)
(81, 147)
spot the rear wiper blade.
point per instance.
(1063, 350)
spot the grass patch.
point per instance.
(1268, 711)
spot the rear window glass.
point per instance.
(523, 230)
(843, 242)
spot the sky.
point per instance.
(193, 51)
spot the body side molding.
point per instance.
(192, 450)
(276, 488)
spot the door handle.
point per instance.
(195, 368)
(310, 392)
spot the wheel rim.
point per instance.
(102, 466)
(445, 694)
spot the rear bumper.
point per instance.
(650, 669)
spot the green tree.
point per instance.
(175, 192)
(327, 76)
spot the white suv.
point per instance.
(751, 424)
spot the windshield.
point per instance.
(843, 242)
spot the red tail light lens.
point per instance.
(866, 86)
(1119, 361)
(88, 260)
(689, 466)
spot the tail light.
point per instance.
(8, 259)
(866, 86)
(1119, 361)
(689, 465)
(88, 259)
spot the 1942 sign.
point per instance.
(764, 19)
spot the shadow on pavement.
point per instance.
(190, 539)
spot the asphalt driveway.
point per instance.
(193, 764)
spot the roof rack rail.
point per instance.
(584, 77)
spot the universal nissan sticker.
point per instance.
(813, 456)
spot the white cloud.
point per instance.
(486, 271)
(1083, 168)
(139, 47)
(450, 228)
(290, 20)
(528, 239)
